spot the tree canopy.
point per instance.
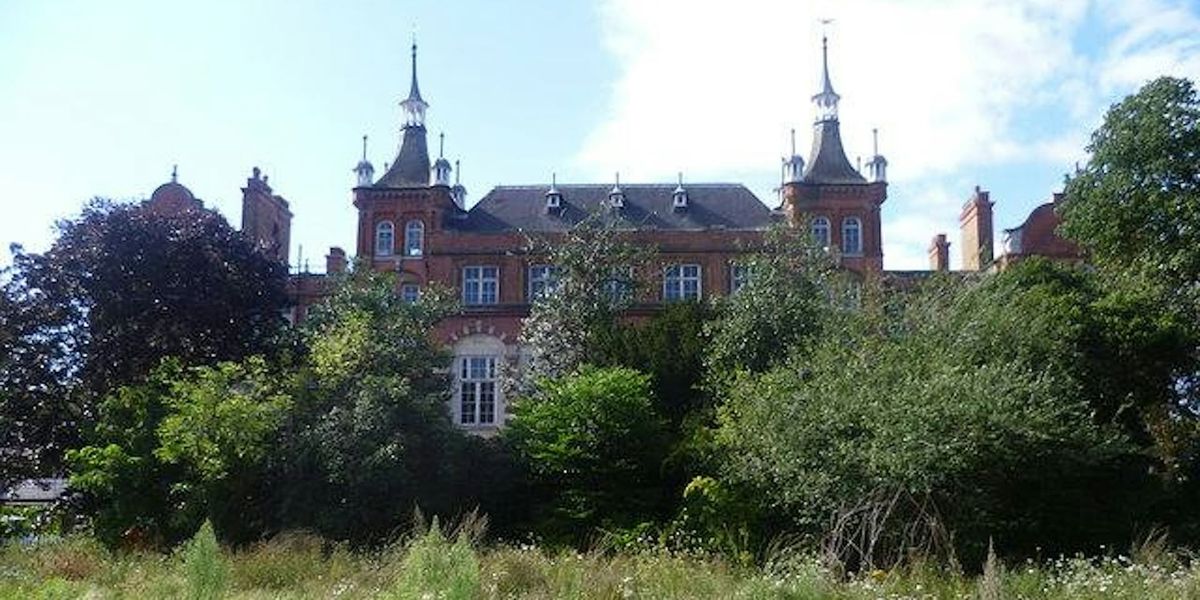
(123, 287)
(1135, 205)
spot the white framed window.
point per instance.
(739, 276)
(681, 282)
(543, 280)
(385, 238)
(481, 285)
(410, 292)
(820, 232)
(851, 236)
(477, 383)
(414, 238)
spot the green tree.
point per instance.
(783, 304)
(990, 408)
(596, 277)
(593, 444)
(370, 438)
(1135, 205)
(121, 288)
(670, 347)
(185, 445)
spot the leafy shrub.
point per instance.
(593, 445)
(963, 412)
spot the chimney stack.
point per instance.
(335, 261)
(976, 223)
(939, 253)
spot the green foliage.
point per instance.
(972, 408)
(369, 437)
(206, 570)
(669, 347)
(1136, 203)
(122, 287)
(781, 307)
(593, 443)
(597, 276)
(220, 421)
(185, 444)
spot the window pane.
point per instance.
(487, 402)
(467, 403)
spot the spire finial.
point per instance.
(457, 172)
(174, 173)
(793, 141)
(553, 179)
(414, 93)
(681, 179)
(364, 147)
(875, 137)
(441, 144)
(618, 179)
(826, 99)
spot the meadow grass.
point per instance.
(451, 565)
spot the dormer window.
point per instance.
(553, 196)
(616, 196)
(679, 198)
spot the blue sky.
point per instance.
(102, 98)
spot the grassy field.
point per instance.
(432, 566)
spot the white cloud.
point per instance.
(713, 87)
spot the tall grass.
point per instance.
(448, 562)
(205, 568)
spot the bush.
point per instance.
(593, 445)
(963, 415)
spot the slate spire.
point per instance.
(828, 163)
(411, 167)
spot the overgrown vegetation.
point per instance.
(815, 434)
(446, 564)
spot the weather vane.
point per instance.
(824, 26)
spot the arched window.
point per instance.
(385, 238)
(414, 238)
(820, 231)
(478, 401)
(852, 236)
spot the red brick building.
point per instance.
(413, 221)
(1037, 236)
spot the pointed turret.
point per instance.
(441, 167)
(877, 168)
(458, 192)
(828, 162)
(364, 169)
(793, 166)
(411, 168)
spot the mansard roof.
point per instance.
(647, 206)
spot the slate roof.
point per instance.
(411, 168)
(647, 206)
(827, 162)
